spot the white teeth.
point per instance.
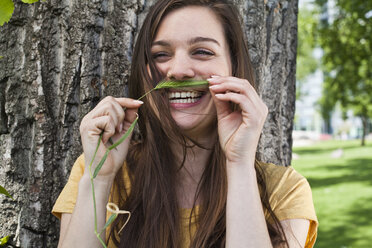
(184, 97)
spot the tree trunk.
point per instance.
(364, 119)
(62, 57)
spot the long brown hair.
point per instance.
(151, 165)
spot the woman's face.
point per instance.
(190, 45)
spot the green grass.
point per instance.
(342, 191)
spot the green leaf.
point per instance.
(176, 84)
(110, 220)
(1, 57)
(4, 240)
(30, 1)
(4, 192)
(127, 133)
(181, 84)
(6, 11)
(99, 166)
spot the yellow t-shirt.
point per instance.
(289, 197)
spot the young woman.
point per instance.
(192, 180)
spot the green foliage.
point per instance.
(342, 191)
(30, 1)
(306, 63)
(7, 9)
(4, 192)
(4, 241)
(347, 59)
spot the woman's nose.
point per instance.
(181, 68)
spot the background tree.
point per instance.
(347, 60)
(61, 57)
(307, 64)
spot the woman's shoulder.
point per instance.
(283, 181)
(289, 192)
(275, 174)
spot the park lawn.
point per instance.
(342, 191)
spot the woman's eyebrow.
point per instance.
(202, 39)
(161, 43)
(190, 42)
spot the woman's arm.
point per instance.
(296, 231)
(77, 229)
(111, 118)
(239, 132)
(245, 219)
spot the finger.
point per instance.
(128, 102)
(237, 98)
(219, 84)
(229, 87)
(119, 113)
(118, 106)
(252, 101)
(220, 79)
(107, 109)
(105, 124)
(222, 107)
(130, 116)
(257, 109)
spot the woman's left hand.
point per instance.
(239, 131)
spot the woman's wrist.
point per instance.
(100, 182)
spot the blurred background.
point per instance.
(332, 137)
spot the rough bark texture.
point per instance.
(62, 57)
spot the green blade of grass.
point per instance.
(99, 166)
(109, 221)
(4, 241)
(127, 133)
(176, 84)
(181, 84)
(5, 192)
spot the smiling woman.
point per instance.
(192, 180)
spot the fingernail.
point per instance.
(121, 127)
(213, 86)
(138, 101)
(215, 76)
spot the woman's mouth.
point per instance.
(185, 97)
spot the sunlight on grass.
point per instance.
(342, 191)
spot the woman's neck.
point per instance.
(190, 174)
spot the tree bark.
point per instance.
(62, 57)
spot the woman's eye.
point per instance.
(160, 56)
(203, 52)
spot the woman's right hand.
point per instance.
(113, 117)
